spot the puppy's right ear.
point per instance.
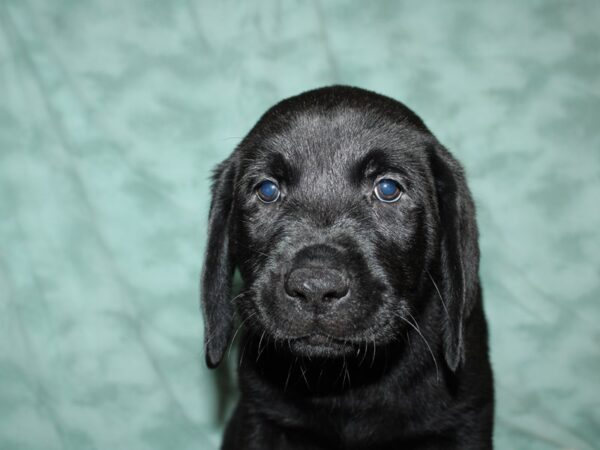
(217, 273)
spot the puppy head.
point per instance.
(335, 209)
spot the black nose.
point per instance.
(316, 285)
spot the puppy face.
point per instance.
(329, 209)
(332, 238)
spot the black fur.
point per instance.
(361, 321)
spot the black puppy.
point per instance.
(354, 233)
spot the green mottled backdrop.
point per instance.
(112, 114)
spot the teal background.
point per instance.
(113, 113)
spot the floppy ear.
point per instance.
(459, 253)
(217, 273)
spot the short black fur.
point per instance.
(361, 322)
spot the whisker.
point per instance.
(236, 332)
(416, 328)
(303, 372)
(347, 373)
(241, 294)
(252, 248)
(260, 350)
(339, 376)
(374, 351)
(287, 380)
(243, 353)
(439, 294)
(365, 352)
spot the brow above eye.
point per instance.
(280, 168)
(272, 165)
(376, 161)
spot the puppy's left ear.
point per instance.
(459, 252)
(217, 273)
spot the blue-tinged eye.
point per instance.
(267, 191)
(387, 190)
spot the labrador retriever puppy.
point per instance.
(360, 312)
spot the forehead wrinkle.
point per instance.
(328, 142)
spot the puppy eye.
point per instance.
(267, 191)
(388, 191)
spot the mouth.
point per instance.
(315, 345)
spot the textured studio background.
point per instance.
(112, 115)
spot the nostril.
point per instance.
(336, 293)
(295, 293)
(327, 298)
(293, 288)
